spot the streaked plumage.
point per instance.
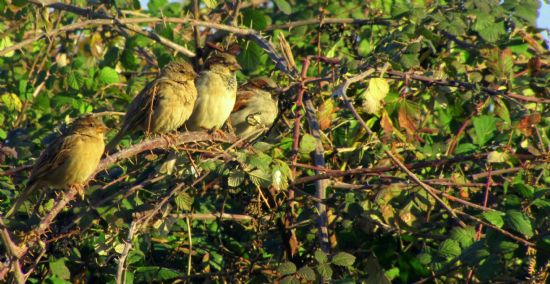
(256, 107)
(69, 160)
(163, 105)
(217, 90)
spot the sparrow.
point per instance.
(256, 107)
(69, 160)
(217, 90)
(163, 105)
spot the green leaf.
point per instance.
(108, 75)
(320, 256)
(184, 201)
(424, 258)
(158, 273)
(286, 268)
(494, 217)
(254, 19)
(260, 178)
(465, 236)
(59, 269)
(484, 126)
(343, 259)
(250, 56)
(449, 248)
(156, 5)
(465, 148)
(375, 271)
(519, 222)
(235, 178)
(75, 80)
(289, 280)
(306, 273)
(325, 270)
(308, 144)
(210, 3)
(489, 268)
(283, 6)
(409, 60)
(493, 32)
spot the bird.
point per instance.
(256, 107)
(68, 161)
(217, 91)
(163, 105)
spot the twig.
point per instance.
(323, 21)
(120, 275)
(14, 252)
(465, 85)
(190, 255)
(496, 172)
(214, 216)
(499, 230)
(330, 173)
(320, 185)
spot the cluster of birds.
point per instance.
(177, 98)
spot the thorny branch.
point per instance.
(97, 19)
(19, 250)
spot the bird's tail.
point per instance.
(167, 166)
(23, 196)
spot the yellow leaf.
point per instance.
(377, 91)
(61, 59)
(497, 157)
(12, 101)
(96, 45)
(371, 105)
(378, 88)
(119, 248)
(5, 43)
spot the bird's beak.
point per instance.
(102, 128)
(235, 67)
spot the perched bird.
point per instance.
(163, 105)
(69, 160)
(256, 107)
(217, 90)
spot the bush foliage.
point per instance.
(412, 143)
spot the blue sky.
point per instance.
(544, 19)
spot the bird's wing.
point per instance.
(141, 109)
(243, 98)
(52, 157)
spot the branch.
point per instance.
(341, 92)
(330, 173)
(243, 32)
(504, 232)
(70, 194)
(120, 275)
(320, 185)
(466, 85)
(326, 21)
(214, 216)
(163, 143)
(89, 13)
